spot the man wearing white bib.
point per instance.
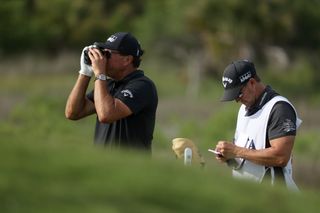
(265, 131)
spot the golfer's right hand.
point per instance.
(84, 68)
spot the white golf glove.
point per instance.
(179, 145)
(84, 68)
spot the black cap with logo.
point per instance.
(235, 76)
(123, 42)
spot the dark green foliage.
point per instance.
(211, 33)
(47, 24)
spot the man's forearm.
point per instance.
(104, 102)
(267, 157)
(277, 155)
(76, 100)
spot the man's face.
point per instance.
(247, 94)
(115, 63)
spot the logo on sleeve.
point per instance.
(288, 126)
(127, 93)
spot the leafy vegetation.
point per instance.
(203, 35)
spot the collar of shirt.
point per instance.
(134, 74)
(266, 96)
(113, 84)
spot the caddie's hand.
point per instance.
(99, 61)
(221, 158)
(84, 68)
(227, 150)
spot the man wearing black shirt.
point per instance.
(266, 128)
(123, 98)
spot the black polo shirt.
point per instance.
(139, 93)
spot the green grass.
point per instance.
(41, 176)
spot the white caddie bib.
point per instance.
(251, 133)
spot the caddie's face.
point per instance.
(247, 94)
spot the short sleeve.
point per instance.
(138, 95)
(282, 121)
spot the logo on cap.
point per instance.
(112, 38)
(245, 76)
(225, 81)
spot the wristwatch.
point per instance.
(101, 77)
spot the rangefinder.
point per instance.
(98, 46)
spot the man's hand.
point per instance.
(99, 61)
(227, 150)
(84, 68)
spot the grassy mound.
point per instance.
(57, 177)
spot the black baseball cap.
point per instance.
(125, 43)
(235, 76)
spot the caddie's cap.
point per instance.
(234, 76)
(125, 43)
